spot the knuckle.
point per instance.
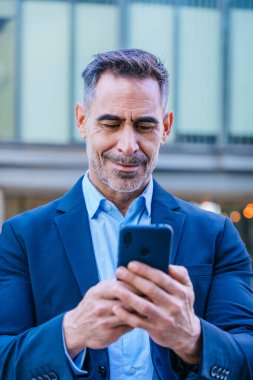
(116, 291)
(100, 310)
(164, 279)
(176, 309)
(151, 290)
(119, 291)
(145, 309)
(184, 295)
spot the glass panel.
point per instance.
(7, 69)
(45, 71)
(241, 70)
(96, 31)
(199, 72)
(156, 36)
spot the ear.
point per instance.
(81, 119)
(167, 124)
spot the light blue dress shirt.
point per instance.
(129, 356)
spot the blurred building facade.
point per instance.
(207, 48)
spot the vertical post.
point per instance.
(225, 34)
(123, 23)
(2, 208)
(176, 44)
(18, 69)
(72, 70)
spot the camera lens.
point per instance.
(127, 238)
(144, 251)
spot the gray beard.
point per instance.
(121, 181)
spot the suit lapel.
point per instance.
(165, 211)
(74, 230)
(73, 226)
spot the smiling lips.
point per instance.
(126, 167)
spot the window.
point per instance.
(96, 30)
(45, 103)
(7, 69)
(199, 72)
(241, 76)
(205, 45)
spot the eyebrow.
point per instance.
(108, 116)
(146, 119)
(142, 119)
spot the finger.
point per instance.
(131, 288)
(114, 322)
(132, 301)
(145, 288)
(132, 319)
(155, 276)
(103, 290)
(104, 308)
(180, 274)
(123, 329)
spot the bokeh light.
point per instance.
(235, 216)
(248, 211)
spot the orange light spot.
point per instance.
(248, 211)
(235, 216)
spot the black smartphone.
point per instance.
(149, 244)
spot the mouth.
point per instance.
(126, 167)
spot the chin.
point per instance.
(127, 184)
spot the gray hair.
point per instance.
(134, 63)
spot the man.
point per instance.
(67, 312)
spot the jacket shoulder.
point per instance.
(194, 209)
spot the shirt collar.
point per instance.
(93, 198)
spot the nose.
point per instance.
(127, 143)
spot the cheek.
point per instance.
(98, 144)
(150, 147)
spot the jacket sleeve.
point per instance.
(227, 325)
(27, 351)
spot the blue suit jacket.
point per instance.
(47, 264)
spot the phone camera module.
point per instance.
(127, 238)
(144, 251)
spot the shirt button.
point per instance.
(132, 371)
(101, 370)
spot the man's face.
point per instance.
(124, 128)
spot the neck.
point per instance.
(122, 200)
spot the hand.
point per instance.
(92, 323)
(165, 309)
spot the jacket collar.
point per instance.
(166, 210)
(73, 226)
(74, 197)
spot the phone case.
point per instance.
(149, 244)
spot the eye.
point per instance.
(144, 127)
(110, 126)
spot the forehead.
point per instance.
(126, 93)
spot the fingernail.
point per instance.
(174, 268)
(133, 265)
(121, 271)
